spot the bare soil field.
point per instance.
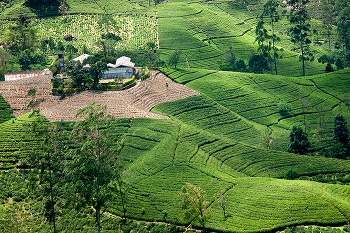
(133, 102)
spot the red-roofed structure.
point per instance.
(25, 74)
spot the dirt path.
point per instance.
(130, 103)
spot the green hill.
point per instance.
(160, 156)
(204, 31)
(241, 106)
(232, 138)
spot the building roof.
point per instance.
(81, 58)
(24, 74)
(86, 67)
(122, 61)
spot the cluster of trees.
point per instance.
(80, 78)
(22, 48)
(20, 45)
(300, 31)
(232, 63)
(87, 169)
(334, 13)
(299, 142)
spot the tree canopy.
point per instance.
(298, 141)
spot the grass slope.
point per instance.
(15, 142)
(119, 7)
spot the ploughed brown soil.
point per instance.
(133, 102)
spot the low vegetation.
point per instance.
(246, 152)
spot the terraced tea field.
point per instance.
(197, 124)
(204, 31)
(172, 154)
(211, 141)
(254, 100)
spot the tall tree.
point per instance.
(343, 27)
(173, 58)
(91, 168)
(194, 203)
(222, 201)
(74, 71)
(340, 130)
(266, 41)
(46, 159)
(298, 141)
(20, 36)
(300, 31)
(21, 40)
(328, 17)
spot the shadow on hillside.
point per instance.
(44, 7)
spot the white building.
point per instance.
(123, 67)
(81, 58)
(25, 74)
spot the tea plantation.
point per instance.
(231, 139)
(206, 144)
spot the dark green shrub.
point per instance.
(99, 87)
(290, 175)
(258, 64)
(329, 68)
(31, 92)
(340, 130)
(337, 151)
(143, 211)
(56, 82)
(17, 198)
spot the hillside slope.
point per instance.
(242, 106)
(160, 156)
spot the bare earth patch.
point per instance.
(133, 102)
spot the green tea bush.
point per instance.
(290, 175)
(283, 107)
